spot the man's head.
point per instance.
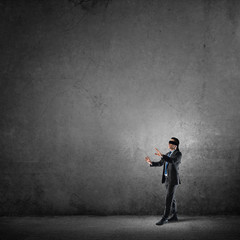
(173, 144)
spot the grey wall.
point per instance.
(87, 91)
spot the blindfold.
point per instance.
(172, 142)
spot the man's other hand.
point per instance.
(158, 152)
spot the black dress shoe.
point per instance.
(162, 221)
(174, 218)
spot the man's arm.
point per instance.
(175, 159)
(154, 164)
(157, 164)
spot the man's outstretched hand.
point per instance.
(147, 159)
(158, 153)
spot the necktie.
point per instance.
(166, 164)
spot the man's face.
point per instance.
(172, 146)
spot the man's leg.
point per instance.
(174, 206)
(164, 220)
(169, 199)
(174, 217)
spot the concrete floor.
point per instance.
(118, 227)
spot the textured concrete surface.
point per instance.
(119, 227)
(88, 90)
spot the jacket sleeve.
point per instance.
(175, 159)
(157, 164)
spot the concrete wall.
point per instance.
(88, 90)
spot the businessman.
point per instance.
(170, 162)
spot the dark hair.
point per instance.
(177, 142)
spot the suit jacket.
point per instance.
(173, 167)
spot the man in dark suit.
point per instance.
(170, 162)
